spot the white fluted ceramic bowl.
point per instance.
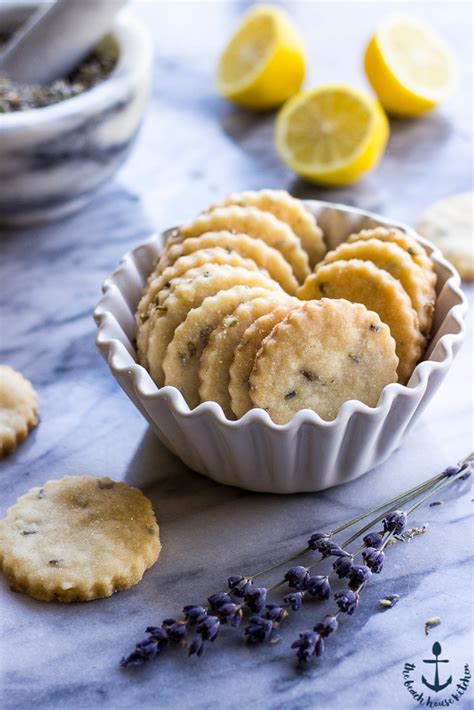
(307, 454)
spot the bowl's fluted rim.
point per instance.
(111, 340)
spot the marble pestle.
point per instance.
(56, 38)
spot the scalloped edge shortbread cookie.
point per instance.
(266, 257)
(78, 538)
(213, 255)
(254, 223)
(245, 354)
(190, 293)
(449, 224)
(183, 354)
(18, 409)
(363, 282)
(217, 356)
(392, 258)
(288, 209)
(404, 241)
(155, 288)
(322, 354)
(157, 309)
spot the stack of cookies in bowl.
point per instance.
(247, 308)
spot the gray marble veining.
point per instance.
(192, 149)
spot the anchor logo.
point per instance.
(436, 686)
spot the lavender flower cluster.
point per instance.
(201, 625)
(311, 643)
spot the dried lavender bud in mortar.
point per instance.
(374, 559)
(296, 577)
(319, 587)
(342, 566)
(294, 600)
(395, 522)
(373, 539)
(347, 601)
(255, 599)
(258, 630)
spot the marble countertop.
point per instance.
(192, 149)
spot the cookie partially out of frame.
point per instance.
(78, 538)
(449, 224)
(323, 354)
(18, 409)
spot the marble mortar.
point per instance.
(52, 159)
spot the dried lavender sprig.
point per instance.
(400, 500)
(446, 475)
(394, 523)
(300, 579)
(395, 502)
(377, 561)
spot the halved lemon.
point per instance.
(410, 68)
(331, 135)
(263, 64)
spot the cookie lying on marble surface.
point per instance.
(18, 409)
(78, 539)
